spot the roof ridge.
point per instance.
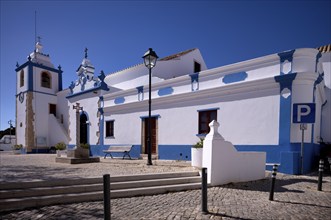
(170, 57)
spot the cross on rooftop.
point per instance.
(86, 52)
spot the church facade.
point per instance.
(252, 100)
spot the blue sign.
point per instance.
(304, 113)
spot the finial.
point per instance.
(29, 58)
(59, 67)
(86, 52)
(102, 76)
(17, 65)
(39, 39)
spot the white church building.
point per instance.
(253, 101)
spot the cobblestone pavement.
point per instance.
(296, 197)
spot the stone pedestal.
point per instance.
(76, 156)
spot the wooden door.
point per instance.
(153, 133)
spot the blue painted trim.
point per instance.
(45, 93)
(201, 135)
(29, 62)
(119, 100)
(22, 66)
(101, 121)
(287, 55)
(285, 81)
(175, 152)
(165, 91)
(83, 92)
(152, 116)
(207, 109)
(234, 77)
(60, 81)
(140, 89)
(30, 77)
(194, 77)
(318, 56)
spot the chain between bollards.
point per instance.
(204, 195)
(273, 180)
(320, 174)
(106, 196)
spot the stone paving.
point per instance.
(296, 197)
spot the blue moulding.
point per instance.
(119, 100)
(175, 152)
(165, 91)
(287, 55)
(234, 77)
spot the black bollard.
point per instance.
(273, 180)
(320, 175)
(106, 196)
(204, 196)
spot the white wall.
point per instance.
(326, 110)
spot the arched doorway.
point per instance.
(83, 128)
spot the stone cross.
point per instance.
(78, 108)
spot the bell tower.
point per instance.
(37, 84)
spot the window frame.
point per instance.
(44, 83)
(208, 113)
(112, 130)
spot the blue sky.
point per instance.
(117, 33)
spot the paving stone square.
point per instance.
(296, 197)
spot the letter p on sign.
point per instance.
(304, 113)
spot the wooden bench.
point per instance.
(125, 149)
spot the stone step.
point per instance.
(33, 202)
(95, 180)
(91, 189)
(56, 190)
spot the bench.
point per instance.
(125, 149)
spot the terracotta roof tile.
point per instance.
(174, 56)
(325, 48)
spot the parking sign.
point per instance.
(304, 113)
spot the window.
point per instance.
(52, 109)
(22, 78)
(205, 117)
(197, 67)
(45, 80)
(109, 128)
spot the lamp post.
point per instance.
(150, 58)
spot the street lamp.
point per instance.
(150, 58)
